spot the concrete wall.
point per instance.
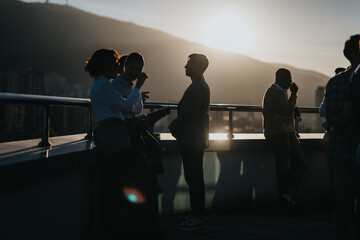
(240, 176)
(55, 198)
(48, 198)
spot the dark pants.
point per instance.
(330, 166)
(290, 162)
(193, 171)
(129, 207)
(347, 188)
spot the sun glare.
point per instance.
(227, 32)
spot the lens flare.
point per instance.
(133, 195)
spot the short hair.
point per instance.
(351, 46)
(100, 61)
(134, 57)
(121, 62)
(201, 59)
(282, 73)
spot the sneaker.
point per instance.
(194, 223)
(183, 218)
(289, 206)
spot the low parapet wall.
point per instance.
(241, 174)
(52, 196)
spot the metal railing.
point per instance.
(47, 101)
(230, 108)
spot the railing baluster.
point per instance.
(89, 125)
(230, 133)
(45, 128)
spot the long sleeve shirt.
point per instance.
(344, 129)
(278, 111)
(191, 126)
(125, 88)
(106, 102)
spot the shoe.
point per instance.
(289, 206)
(192, 224)
(183, 218)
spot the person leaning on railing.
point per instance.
(280, 135)
(122, 171)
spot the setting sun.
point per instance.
(227, 32)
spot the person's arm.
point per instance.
(280, 105)
(138, 106)
(189, 112)
(114, 99)
(322, 109)
(139, 82)
(335, 105)
(144, 96)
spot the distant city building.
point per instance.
(19, 121)
(29, 82)
(24, 121)
(319, 96)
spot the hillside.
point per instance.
(58, 38)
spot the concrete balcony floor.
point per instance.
(266, 224)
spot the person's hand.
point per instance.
(294, 88)
(144, 96)
(140, 80)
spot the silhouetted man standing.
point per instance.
(344, 138)
(191, 130)
(278, 121)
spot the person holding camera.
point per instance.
(280, 135)
(139, 125)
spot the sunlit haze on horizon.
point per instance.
(305, 34)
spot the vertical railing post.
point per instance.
(45, 128)
(89, 134)
(230, 133)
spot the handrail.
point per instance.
(86, 102)
(43, 100)
(226, 107)
(47, 101)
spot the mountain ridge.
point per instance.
(59, 38)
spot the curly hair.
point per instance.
(100, 61)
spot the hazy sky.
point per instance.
(308, 34)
